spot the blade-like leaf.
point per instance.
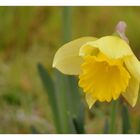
(126, 126)
(63, 95)
(79, 120)
(113, 117)
(50, 89)
(69, 103)
(74, 98)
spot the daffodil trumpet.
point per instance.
(107, 68)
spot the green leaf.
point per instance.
(50, 89)
(63, 94)
(113, 117)
(74, 98)
(126, 126)
(69, 103)
(79, 120)
(67, 22)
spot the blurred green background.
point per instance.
(31, 35)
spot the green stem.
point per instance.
(62, 80)
(126, 123)
(66, 23)
(113, 117)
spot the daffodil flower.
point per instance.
(107, 68)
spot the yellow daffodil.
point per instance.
(107, 68)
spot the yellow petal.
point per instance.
(133, 65)
(67, 59)
(131, 93)
(103, 78)
(112, 46)
(90, 100)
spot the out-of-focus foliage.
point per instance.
(31, 35)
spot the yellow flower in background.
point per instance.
(107, 68)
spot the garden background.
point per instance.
(29, 38)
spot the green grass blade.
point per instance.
(113, 117)
(63, 95)
(67, 22)
(126, 126)
(74, 98)
(79, 120)
(50, 89)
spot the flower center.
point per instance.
(105, 79)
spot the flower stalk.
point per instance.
(113, 117)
